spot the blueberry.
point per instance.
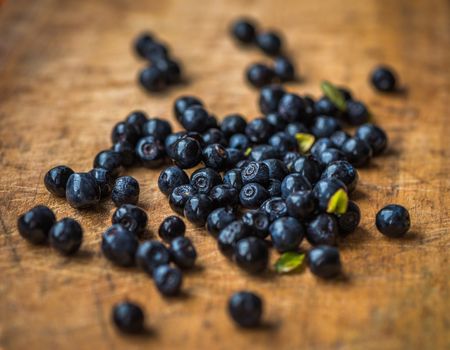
(374, 136)
(184, 102)
(324, 189)
(230, 235)
(187, 152)
(55, 180)
(245, 309)
(259, 75)
(257, 223)
(152, 79)
(343, 171)
(156, 51)
(356, 113)
(289, 159)
(168, 280)
(321, 145)
(150, 152)
(195, 118)
(287, 234)
(338, 138)
(242, 164)
(233, 124)
(325, 126)
(171, 140)
(357, 151)
(66, 236)
(293, 183)
(171, 228)
(255, 172)
(109, 160)
(218, 219)
(82, 191)
(124, 132)
(348, 222)
(276, 121)
(137, 119)
(204, 179)
(301, 204)
(258, 130)
(310, 109)
(215, 156)
(183, 252)
(244, 31)
(269, 42)
(224, 195)
(179, 197)
(324, 261)
(263, 152)
(274, 188)
(212, 123)
(35, 224)
(128, 317)
(158, 128)
(283, 142)
(213, 135)
(170, 178)
(307, 167)
(384, 79)
(119, 245)
(284, 69)
(275, 208)
(251, 254)
(171, 70)
(131, 217)
(126, 151)
(324, 106)
(197, 209)
(277, 169)
(270, 97)
(104, 179)
(346, 93)
(329, 156)
(393, 221)
(252, 195)
(323, 229)
(239, 141)
(295, 128)
(142, 43)
(125, 191)
(233, 177)
(150, 255)
(292, 108)
(234, 156)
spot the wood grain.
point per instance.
(67, 74)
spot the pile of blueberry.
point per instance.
(272, 182)
(163, 70)
(270, 43)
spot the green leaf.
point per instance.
(335, 96)
(289, 261)
(304, 141)
(338, 202)
(248, 151)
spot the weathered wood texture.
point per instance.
(67, 74)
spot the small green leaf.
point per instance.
(338, 202)
(248, 151)
(334, 95)
(304, 141)
(289, 261)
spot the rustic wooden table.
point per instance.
(67, 74)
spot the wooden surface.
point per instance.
(67, 74)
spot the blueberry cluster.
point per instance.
(270, 43)
(163, 70)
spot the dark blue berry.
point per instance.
(258, 130)
(239, 141)
(171, 70)
(131, 217)
(150, 255)
(137, 119)
(197, 209)
(187, 152)
(293, 183)
(233, 177)
(287, 234)
(283, 142)
(374, 136)
(295, 128)
(277, 169)
(230, 235)
(214, 136)
(35, 224)
(274, 188)
(323, 229)
(183, 252)
(128, 317)
(324, 261)
(269, 42)
(263, 152)
(184, 102)
(142, 43)
(150, 152)
(156, 51)
(276, 121)
(104, 179)
(321, 145)
(301, 204)
(259, 75)
(234, 156)
(255, 172)
(245, 309)
(251, 254)
(82, 190)
(215, 156)
(384, 79)
(204, 179)
(284, 69)
(179, 197)
(338, 138)
(269, 98)
(224, 195)
(233, 124)
(292, 108)
(324, 189)
(289, 159)
(171, 228)
(195, 118)
(357, 151)
(124, 132)
(275, 208)
(330, 155)
(257, 223)
(158, 128)
(346, 93)
(218, 219)
(125, 191)
(252, 195)
(244, 31)
(393, 221)
(349, 221)
(324, 106)
(119, 245)
(171, 140)
(126, 151)
(170, 178)
(109, 160)
(356, 113)
(55, 180)
(152, 79)
(168, 280)
(307, 167)
(66, 236)
(325, 126)
(343, 171)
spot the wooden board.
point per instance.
(67, 74)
